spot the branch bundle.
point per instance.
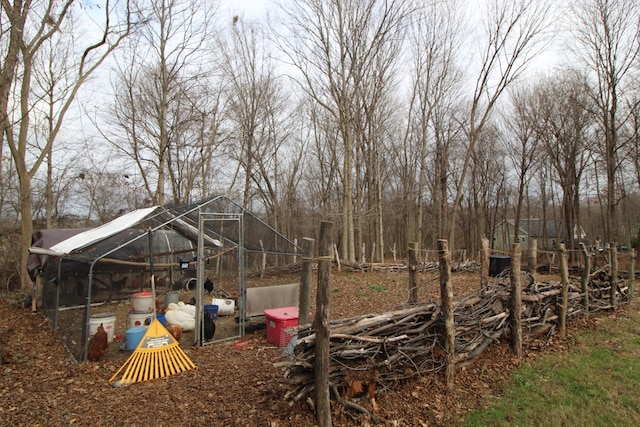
(396, 345)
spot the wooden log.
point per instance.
(322, 365)
(446, 296)
(564, 276)
(304, 297)
(413, 273)
(516, 300)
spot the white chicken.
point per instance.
(174, 316)
(187, 308)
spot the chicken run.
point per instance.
(88, 277)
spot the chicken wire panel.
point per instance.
(258, 235)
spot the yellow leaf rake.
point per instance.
(158, 355)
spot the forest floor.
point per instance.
(235, 382)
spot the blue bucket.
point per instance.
(161, 319)
(134, 335)
(212, 310)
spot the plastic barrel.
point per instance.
(212, 309)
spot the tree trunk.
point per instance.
(26, 226)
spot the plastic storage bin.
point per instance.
(279, 319)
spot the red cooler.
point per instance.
(279, 319)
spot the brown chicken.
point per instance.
(98, 345)
(176, 331)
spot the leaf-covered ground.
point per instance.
(235, 383)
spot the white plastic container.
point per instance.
(143, 302)
(137, 319)
(108, 322)
(226, 307)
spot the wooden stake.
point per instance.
(516, 300)
(532, 261)
(564, 278)
(632, 272)
(446, 296)
(613, 276)
(484, 263)
(304, 301)
(586, 274)
(413, 273)
(322, 391)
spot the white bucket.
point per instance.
(108, 322)
(137, 319)
(226, 307)
(143, 302)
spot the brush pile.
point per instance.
(399, 344)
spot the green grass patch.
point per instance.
(378, 288)
(595, 383)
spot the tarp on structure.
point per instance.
(41, 241)
(102, 232)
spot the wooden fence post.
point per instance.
(532, 260)
(304, 298)
(516, 299)
(586, 274)
(484, 263)
(564, 278)
(263, 264)
(322, 394)
(413, 273)
(446, 296)
(613, 273)
(632, 272)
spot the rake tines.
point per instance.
(158, 355)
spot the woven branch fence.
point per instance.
(385, 348)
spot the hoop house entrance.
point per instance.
(98, 271)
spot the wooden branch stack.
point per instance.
(408, 341)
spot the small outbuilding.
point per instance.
(548, 233)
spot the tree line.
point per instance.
(399, 121)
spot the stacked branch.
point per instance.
(396, 345)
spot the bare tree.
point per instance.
(562, 118)
(257, 105)
(607, 41)
(522, 145)
(159, 83)
(515, 33)
(336, 45)
(435, 40)
(30, 29)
